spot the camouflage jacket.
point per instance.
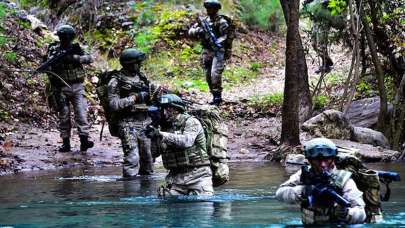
(122, 90)
(184, 144)
(219, 26)
(293, 190)
(69, 69)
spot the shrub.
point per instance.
(263, 14)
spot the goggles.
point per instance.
(317, 152)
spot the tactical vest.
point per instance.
(71, 72)
(318, 215)
(177, 159)
(132, 85)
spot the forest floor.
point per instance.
(253, 133)
(253, 93)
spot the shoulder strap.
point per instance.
(340, 177)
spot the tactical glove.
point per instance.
(341, 214)
(152, 132)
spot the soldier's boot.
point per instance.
(65, 146)
(85, 143)
(216, 98)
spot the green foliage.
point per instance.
(31, 3)
(255, 67)
(364, 88)
(390, 87)
(24, 24)
(238, 75)
(334, 78)
(266, 101)
(337, 7)
(261, 13)
(10, 56)
(320, 102)
(4, 115)
(3, 40)
(3, 11)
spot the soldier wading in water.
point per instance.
(182, 144)
(128, 94)
(69, 89)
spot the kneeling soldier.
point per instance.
(183, 148)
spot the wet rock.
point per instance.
(369, 136)
(368, 153)
(295, 159)
(244, 151)
(329, 124)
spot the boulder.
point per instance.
(329, 124)
(368, 153)
(369, 136)
(364, 112)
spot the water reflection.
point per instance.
(97, 198)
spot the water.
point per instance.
(97, 198)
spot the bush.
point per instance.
(10, 56)
(267, 101)
(320, 102)
(263, 14)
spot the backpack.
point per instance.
(102, 93)
(231, 36)
(216, 133)
(367, 181)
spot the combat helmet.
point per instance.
(212, 4)
(132, 55)
(66, 31)
(172, 100)
(320, 147)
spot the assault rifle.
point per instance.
(322, 188)
(207, 29)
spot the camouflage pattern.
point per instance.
(196, 181)
(213, 62)
(72, 72)
(186, 137)
(320, 41)
(75, 96)
(131, 116)
(293, 191)
(69, 69)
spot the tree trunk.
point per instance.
(305, 101)
(382, 117)
(290, 118)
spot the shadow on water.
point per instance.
(99, 198)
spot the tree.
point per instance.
(290, 118)
(305, 98)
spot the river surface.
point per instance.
(96, 198)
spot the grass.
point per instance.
(10, 56)
(263, 14)
(267, 101)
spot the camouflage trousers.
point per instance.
(320, 42)
(213, 64)
(75, 96)
(137, 149)
(197, 181)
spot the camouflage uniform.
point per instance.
(292, 191)
(184, 154)
(72, 72)
(213, 61)
(132, 118)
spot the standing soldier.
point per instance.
(183, 148)
(213, 31)
(323, 20)
(326, 194)
(128, 95)
(68, 87)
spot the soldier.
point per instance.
(322, 23)
(69, 89)
(128, 95)
(312, 187)
(213, 54)
(183, 148)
